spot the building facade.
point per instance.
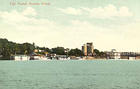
(122, 55)
(20, 57)
(88, 49)
(84, 49)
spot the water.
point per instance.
(70, 74)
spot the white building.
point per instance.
(117, 55)
(38, 57)
(20, 57)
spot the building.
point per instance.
(88, 49)
(84, 49)
(38, 57)
(20, 57)
(61, 57)
(117, 55)
(113, 54)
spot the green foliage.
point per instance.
(59, 50)
(98, 53)
(45, 49)
(75, 52)
(8, 48)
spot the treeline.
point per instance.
(8, 48)
(62, 51)
(99, 54)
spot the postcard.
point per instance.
(75, 44)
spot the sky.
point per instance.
(109, 24)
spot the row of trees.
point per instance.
(63, 51)
(99, 53)
(8, 48)
(71, 52)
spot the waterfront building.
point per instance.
(113, 54)
(122, 55)
(61, 57)
(129, 55)
(88, 49)
(117, 55)
(35, 57)
(20, 57)
(38, 50)
(38, 57)
(84, 49)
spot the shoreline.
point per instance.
(76, 60)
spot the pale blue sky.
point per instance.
(107, 23)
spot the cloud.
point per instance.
(20, 27)
(14, 17)
(25, 17)
(29, 11)
(122, 38)
(108, 11)
(71, 11)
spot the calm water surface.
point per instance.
(70, 74)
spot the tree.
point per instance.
(97, 52)
(102, 54)
(59, 51)
(8, 48)
(75, 52)
(45, 49)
